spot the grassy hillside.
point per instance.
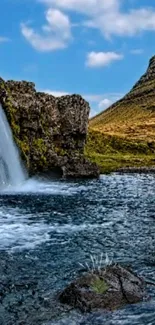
(124, 134)
(111, 152)
(131, 117)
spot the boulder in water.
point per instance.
(110, 288)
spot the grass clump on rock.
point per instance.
(99, 286)
(111, 288)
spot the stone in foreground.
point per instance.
(109, 288)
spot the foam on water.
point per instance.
(34, 186)
(18, 232)
(45, 238)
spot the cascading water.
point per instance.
(11, 170)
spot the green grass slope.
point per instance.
(124, 134)
(111, 152)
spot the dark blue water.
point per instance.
(48, 229)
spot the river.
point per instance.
(49, 228)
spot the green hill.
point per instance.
(124, 134)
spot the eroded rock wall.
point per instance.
(50, 132)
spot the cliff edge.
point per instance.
(50, 132)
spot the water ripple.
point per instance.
(48, 228)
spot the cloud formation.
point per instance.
(101, 59)
(105, 103)
(109, 16)
(54, 35)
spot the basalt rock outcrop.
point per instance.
(50, 132)
(109, 288)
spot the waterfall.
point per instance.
(11, 169)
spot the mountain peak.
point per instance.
(152, 60)
(134, 115)
(149, 75)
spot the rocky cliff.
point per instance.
(50, 132)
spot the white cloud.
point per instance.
(55, 34)
(106, 102)
(137, 51)
(93, 98)
(4, 39)
(56, 93)
(101, 59)
(84, 6)
(93, 112)
(109, 17)
(125, 24)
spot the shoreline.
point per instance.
(140, 170)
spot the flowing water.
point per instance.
(11, 170)
(48, 228)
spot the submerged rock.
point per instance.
(50, 132)
(109, 288)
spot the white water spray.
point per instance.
(11, 170)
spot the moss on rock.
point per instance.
(49, 131)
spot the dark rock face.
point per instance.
(109, 289)
(149, 75)
(50, 132)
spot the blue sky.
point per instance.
(97, 48)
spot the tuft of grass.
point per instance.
(99, 286)
(97, 263)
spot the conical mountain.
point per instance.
(134, 115)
